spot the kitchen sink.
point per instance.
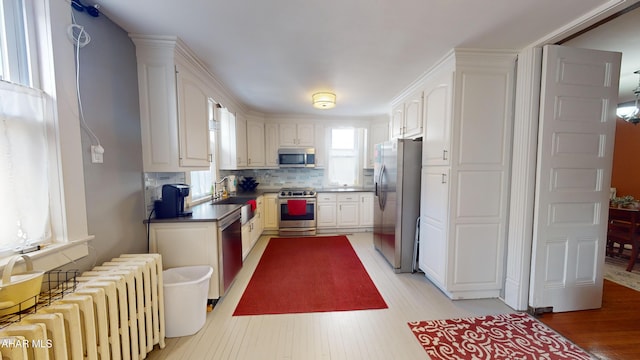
(246, 213)
(233, 200)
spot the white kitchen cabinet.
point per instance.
(270, 212)
(246, 239)
(344, 210)
(320, 145)
(464, 200)
(327, 216)
(258, 226)
(233, 141)
(366, 209)
(406, 117)
(397, 121)
(271, 144)
(252, 230)
(434, 215)
(188, 244)
(193, 119)
(296, 134)
(256, 156)
(437, 119)
(378, 132)
(173, 106)
(348, 210)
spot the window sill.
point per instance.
(55, 255)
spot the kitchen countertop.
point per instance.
(345, 189)
(202, 212)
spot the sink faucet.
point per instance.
(218, 194)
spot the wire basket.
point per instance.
(55, 285)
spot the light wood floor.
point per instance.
(368, 334)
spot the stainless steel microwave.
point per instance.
(297, 157)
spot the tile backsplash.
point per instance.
(153, 186)
(296, 177)
(278, 178)
(268, 178)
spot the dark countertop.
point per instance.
(216, 211)
(202, 212)
(345, 189)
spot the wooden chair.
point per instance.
(623, 230)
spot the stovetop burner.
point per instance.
(297, 193)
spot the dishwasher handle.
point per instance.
(226, 221)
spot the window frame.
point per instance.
(357, 152)
(46, 31)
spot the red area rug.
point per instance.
(309, 274)
(508, 337)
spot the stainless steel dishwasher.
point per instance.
(229, 249)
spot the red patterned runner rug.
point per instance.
(508, 337)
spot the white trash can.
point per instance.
(185, 299)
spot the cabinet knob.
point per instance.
(444, 178)
(444, 154)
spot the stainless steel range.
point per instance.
(297, 212)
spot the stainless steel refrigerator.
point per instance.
(397, 201)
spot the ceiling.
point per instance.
(273, 55)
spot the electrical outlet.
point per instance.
(97, 154)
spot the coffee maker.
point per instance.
(172, 203)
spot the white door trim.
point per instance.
(520, 237)
(523, 178)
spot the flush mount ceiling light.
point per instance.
(630, 113)
(323, 100)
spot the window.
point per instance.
(201, 181)
(14, 44)
(24, 185)
(344, 157)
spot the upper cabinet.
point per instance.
(193, 116)
(378, 132)
(406, 117)
(173, 107)
(256, 155)
(233, 141)
(296, 135)
(271, 144)
(437, 119)
(321, 146)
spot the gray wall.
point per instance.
(114, 189)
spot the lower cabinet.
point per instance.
(353, 210)
(270, 212)
(366, 209)
(326, 214)
(252, 230)
(188, 244)
(347, 207)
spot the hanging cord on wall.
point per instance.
(80, 38)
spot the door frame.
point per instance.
(523, 171)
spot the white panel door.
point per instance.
(575, 151)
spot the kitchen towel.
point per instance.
(253, 204)
(297, 207)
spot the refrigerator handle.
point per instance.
(382, 198)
